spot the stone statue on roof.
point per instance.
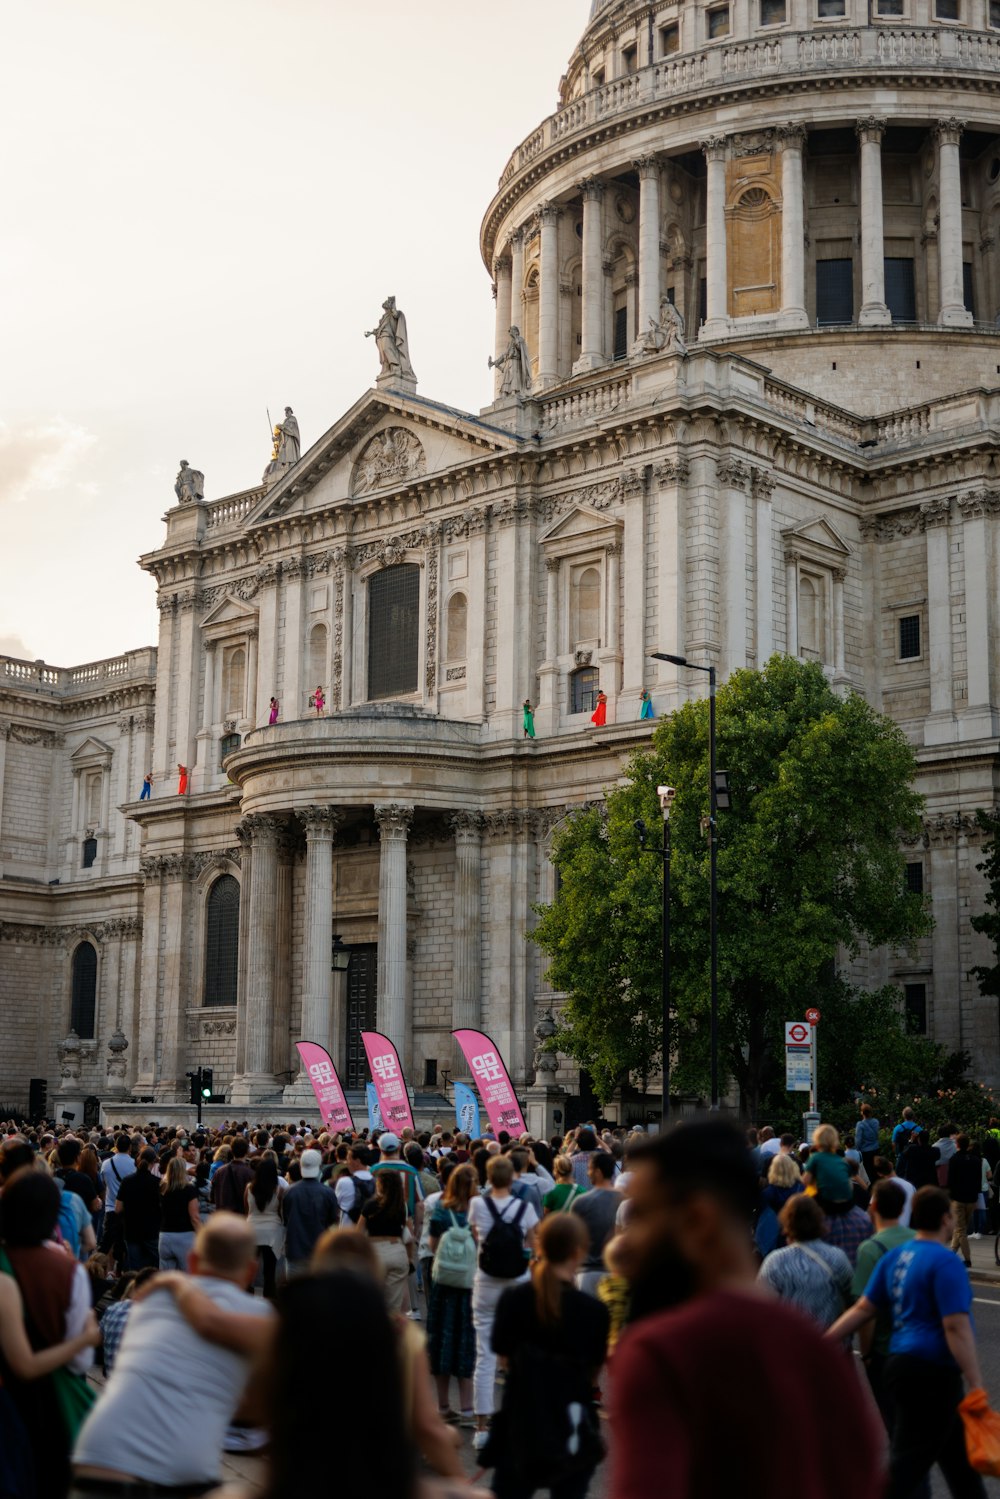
(189, 484)
(515, 362)
(392, 343)
(290, 445)
(665, 335)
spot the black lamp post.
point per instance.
(714, 792)
(666, 795)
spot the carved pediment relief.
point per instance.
(580, 530)
(91, 751)
(229, 616)
(817, 539)
(391, 457)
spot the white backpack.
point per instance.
(455, 1260)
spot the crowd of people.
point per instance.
(499, 1306)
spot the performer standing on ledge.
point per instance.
(182, 780)
(529, 719)
(646, 706)
(599, 717)
(147, 787)
(318, 701)
(273, 715)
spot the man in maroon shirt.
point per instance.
(710, 1349)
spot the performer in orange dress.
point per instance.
(599, 717)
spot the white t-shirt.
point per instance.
(482, 1220)
(911, 1191)
(770, 1147)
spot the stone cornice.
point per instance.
(50, 934)
(157, 867)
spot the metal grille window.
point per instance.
(393, 630)
(83, 1005)
(909, 637)
(583, 688)
(915, 1008)
(967, 292)
(89, 852)
(621, 332)
(834, 291)
(900, 289)
(915, 878)
(222, 941)
(362, 982)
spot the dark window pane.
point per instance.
(430, 1072)
(995, 12)
(670, 38)
(915, 878)
(621, 332)
(83, 1006)
(909, 637)
(583, 688)
(831, 8)
(967, 294)
(227, 745)
(393, 630)
(772, 12)
(703, 299)
(946, 10)
(890, 7)
(89, 852)
(718, 22)
(915, 1006)
(834, 291)
(900, 289)
(362, 981)
(222, 941)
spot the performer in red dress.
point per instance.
(599, 717)
(182, 780)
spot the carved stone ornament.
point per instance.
(393, 819)
(69, 1057)
(545, 1061)
(218, 1027)
(734, 473)
(391, 457)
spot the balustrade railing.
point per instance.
(67, 680)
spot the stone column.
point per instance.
(936, 516)
(104, 834)
(257, 1079)
(467, 960)
(734, 487)
(517, 278)
(547, 717)
(251, 711)
(648, 168)
(839, 654)
(592, 277)
(611, 655)
(670, 477)
(321, 825)
(548, 297)
(285, 1060)
(5, 727)
(73, 841)
(953, 312)
(204, 766)
(173, 995)
(762, 487)
(717, 275)
(791, 603)
(793, 273)
(873, 308)
(161, 767)
(393, 1017)
(504, 316)
(295, 692)
(634, 593)
(978, 717)
(186, 680)
(145, 1045)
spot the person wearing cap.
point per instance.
(389, 1145)
(308, 1208)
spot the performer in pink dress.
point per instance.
(273, 715)
(599, 717)
(318, 701)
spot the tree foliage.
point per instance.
(809, 863)
(987, 975)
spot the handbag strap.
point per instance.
(818, 1258)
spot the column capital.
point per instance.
(516, 239)
(936, 513)
(869, 129)
(762, 483)
(648, 167)
(503, 265)
(732, 472)
(591, 189)
(671, 471)
(393, 819)
(979, 503)
(259, 830)
(948, 132)
(714, 147)
(553, 564)
(791, 136)
(466, 826)
(548, 213)
(320, 823)
(614, 548)
(839, 574)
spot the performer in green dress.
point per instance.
(529, 719)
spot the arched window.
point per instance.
(583, 689)
(222, 941)
(530, 329)
(317, 656)
(83, 1006)
(456, 637)
(585, 606)
(234, 685)
(810, 617)
(93, 802)
(89, 853)
(393, 630)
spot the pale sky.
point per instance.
(204, 204)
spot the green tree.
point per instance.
(809, 862)
(987, 976)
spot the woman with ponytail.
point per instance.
(552, 1339)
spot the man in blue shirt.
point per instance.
(901, 1134)
(932, 1346)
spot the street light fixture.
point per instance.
(718, 796)
(340, 956)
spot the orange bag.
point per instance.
(982, 1433)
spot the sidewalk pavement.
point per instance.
(984, 1265)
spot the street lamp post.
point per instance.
(713, 844)
(666, 795)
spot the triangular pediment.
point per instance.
(817, 532)
(387, 441)
(229, 611)
(91, 749)
(578, 523)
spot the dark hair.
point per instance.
(414, 1156)
(963, 1142)
(123, 1143)
(866, 1111)
(68, 1151)
(931, 1205)
(389, 1189)
(560, 1237)
(586, 1140)
(705, 1155)
(519, 1159)
(361, 1154)
(146, 1158)
(264, 1184)
(30, 1210)
(240, 1148)
(787, 1141)
(480, 1161)
(14, 1156)
(882, 1166)
(802, 1219)
(603, 1162)
(888, 1199)
(308, 1308)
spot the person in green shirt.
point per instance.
(560, 1198)
(827, 1173)
(886, 1209)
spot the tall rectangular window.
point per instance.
(900, 289)
(915, 1008)
(393, 631)
(915, 877)
(772, 12)
(702, 299)
(718, 22)
(995, 13)
(834, 291)
(909, 637)
(946, 10)
(670, 38)
(967, 293)
(621, 332)
(630, 59)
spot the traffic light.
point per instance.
(206, 1082)
(194, 1079)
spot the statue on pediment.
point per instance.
(392, 342)
(515, 362)
(189, 484)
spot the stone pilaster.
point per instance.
(793, 277)
(502, 271)
(547, 715)
(321, 824)
(953, 312)
(256, 1081)
(394, 1020)
(548, 297)
(634, 593)
(733, 490)
(762, 487)
(592, 276)
(717, 276)
(467, 927)
(648, 168)
(940, 726)
(670, 478)
(873, 309)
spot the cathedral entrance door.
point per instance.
(362, 978)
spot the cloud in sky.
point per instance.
(42, 459)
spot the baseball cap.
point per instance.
(311, 1163)
(388, 1142)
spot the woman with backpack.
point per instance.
(552, 1339)
(504, 1229)
(451, 1335)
